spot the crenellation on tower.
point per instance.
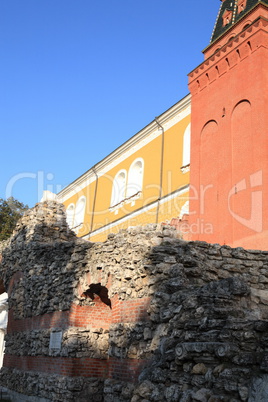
(229, 55)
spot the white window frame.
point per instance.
(70, 217)
(79, 214)
(119, 188)
(135, 181)
(186, 149)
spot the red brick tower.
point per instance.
(229, 143)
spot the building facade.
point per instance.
(148, 179)
(173, 304)
(229, 153)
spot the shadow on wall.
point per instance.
(205, 333)
(188, 320)
(41, 270)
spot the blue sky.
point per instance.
(80, 77)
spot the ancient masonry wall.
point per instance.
(188, 319)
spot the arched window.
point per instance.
(241, 5)
(227, 17)
(231, 38)
(246, 26)
(186, 146)
(80, 211)
(135, 177)
(70, 215)
(119, 188)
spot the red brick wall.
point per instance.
(97, 316)
(229, 142)
(125, 370)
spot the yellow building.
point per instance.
(145, 180)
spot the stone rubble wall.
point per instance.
(188, 319)
(3, 244)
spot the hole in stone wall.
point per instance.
(99, 290)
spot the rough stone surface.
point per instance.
(203, 335)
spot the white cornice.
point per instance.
(177, 193)
(139, 140)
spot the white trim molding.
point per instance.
(137, 213)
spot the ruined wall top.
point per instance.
(195, 313)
